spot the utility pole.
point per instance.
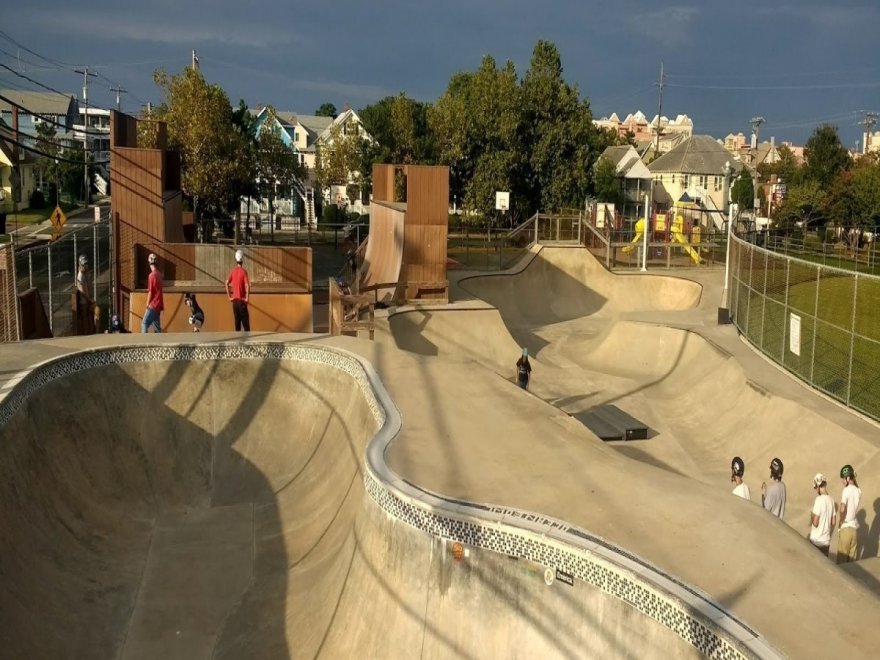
(118, 91)
(195, 61)
(756, 126)
(659, 110)
(869, 122)
(86, 73)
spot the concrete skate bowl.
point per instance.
(564, 283)
(175, 508)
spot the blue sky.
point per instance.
(797, 63)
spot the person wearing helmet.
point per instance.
(523, 370)
(84, 304)
(155, 298)
(196, 315)
(823, 517)
(737, 470)
(773, 496)
(849, 524)
(238, 288)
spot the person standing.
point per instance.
(523, 370)
(155, 299)
(823, 516)
(773, 496)
(85, 304)
(737, 470)
(239, 293)
(849, 506)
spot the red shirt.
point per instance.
(238, 278)
(154, 291)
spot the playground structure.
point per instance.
(673, 230)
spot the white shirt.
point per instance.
(743, 491)
(851, 496)
(824, 508)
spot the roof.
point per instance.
(698, 154)
(627, 162)
(39, 103)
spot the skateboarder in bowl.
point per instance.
(523, 370)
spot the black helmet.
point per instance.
(847, 471)
(776, 468)
(738, 466)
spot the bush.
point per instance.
(37, 200)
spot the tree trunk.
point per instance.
(238, 223)
(271, 217)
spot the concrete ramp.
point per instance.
(564, 283)
(384, 253)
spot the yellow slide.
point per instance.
(678, 237)
(640, 230)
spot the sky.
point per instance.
(796, 63)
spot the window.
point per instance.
(673, 178)
(685, 180)
(717, 183)
(703, 180)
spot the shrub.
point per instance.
(37, 200)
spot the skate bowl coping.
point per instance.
(84, 479)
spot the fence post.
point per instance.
(30, 269)
(785, 307)
(852, 339)
(764, 297)
(749, 299)
(75, 257)
(95, 263)
(49, 259)
(815, 323)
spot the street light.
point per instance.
(724, 310)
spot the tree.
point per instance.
(853, 201)
(199, 120)
(803, 205)
(825, 156)
(558, 129)
(338, 159)
(326, 110)
(606, 183)
(47, 143)
(244, 182)
(786, 168)
(743, 191)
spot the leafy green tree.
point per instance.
(743, 191)
(476, 124)
(786, 168)
(326, 110)
(825, 156)
(338, 160)
(70, 171)
(199, 120)
(804, 204)
(606, 182)
(853, 202)
(47, 143)
(244, 181)
(558, 129)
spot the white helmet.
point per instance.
(239, 256)
(83, 260)
(152, 258)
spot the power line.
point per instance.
(49, 120)
(50, 156)
(781, 88)
(64, 65)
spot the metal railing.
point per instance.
(819, 322)
(51, 268)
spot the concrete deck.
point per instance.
(471, 434)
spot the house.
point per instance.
(694, 170)
(17, 173)
(635, 177)
(307, 135)
(32, 108)
(644, 132)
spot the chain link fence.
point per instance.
(51, 269)
(819, 322)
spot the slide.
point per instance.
(640, 230)
(678, 237)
